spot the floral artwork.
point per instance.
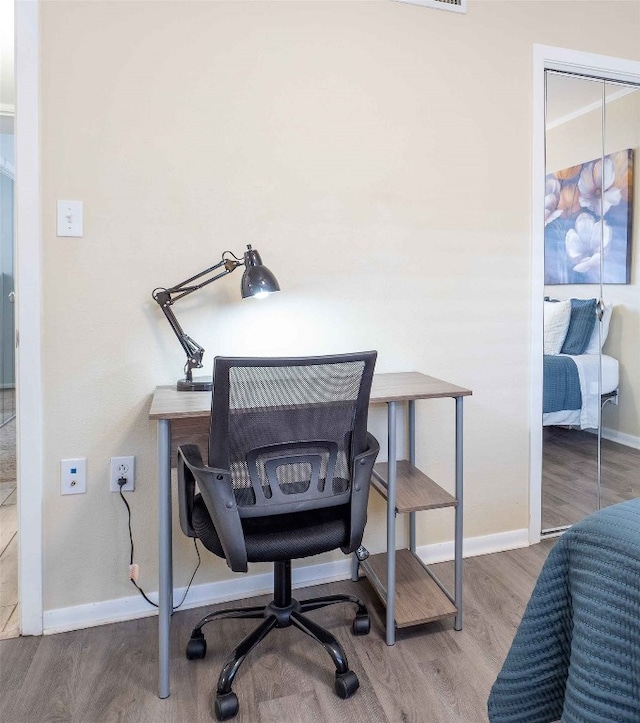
(587, 212)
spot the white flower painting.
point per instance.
(588, 211)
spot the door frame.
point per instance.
(604, 67)
(28, 259)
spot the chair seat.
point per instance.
(280, 537)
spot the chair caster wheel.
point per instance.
(196, 647)
(346, 684)
(361, 624)
(226, 706)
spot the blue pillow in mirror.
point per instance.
(581, 323)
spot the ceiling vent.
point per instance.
(456, 6)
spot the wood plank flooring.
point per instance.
(432, 674)
(8, 560)
(569, 475)
(9, 626)
(9, 623)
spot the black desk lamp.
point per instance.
(257, 281)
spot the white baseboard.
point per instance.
(211, 593)
(627, 439)
(247, 585)
(474, 546)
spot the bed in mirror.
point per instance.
(591, 378)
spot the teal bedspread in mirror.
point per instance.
(561, 384)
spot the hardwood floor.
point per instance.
(8, 561)
(569, 475)
(432, 674)
(8, 533)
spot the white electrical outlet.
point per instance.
(123, 467)
(73, 476)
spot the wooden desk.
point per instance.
(184, 417)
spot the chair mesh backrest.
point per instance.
(283, 427)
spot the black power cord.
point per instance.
(122, 481)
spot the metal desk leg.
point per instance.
(391, 524)
(412, 460)
(165, 591)
(459, 511)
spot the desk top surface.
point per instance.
(168, 403)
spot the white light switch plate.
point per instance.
(70, 218)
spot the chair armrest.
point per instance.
(187, 486)
(361, 478)
(217, 492)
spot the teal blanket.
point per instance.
(576, 654)
(561, 384)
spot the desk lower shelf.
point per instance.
(414, 490)
(419, 598)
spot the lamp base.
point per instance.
(199, 384)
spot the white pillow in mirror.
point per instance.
(593, 347)
(557, 315)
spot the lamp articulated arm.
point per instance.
(256, 279)
(165, 298)
(192, 349)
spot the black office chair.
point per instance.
(290, 460)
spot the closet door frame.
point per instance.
(594, 66)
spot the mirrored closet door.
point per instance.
(591, 299)
(620, 421)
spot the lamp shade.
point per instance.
(257, 280)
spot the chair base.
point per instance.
(282, 612)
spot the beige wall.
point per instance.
(570, 144)
(378, 154)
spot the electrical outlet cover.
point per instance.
(122, 467)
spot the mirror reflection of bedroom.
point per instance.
(591, 389)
